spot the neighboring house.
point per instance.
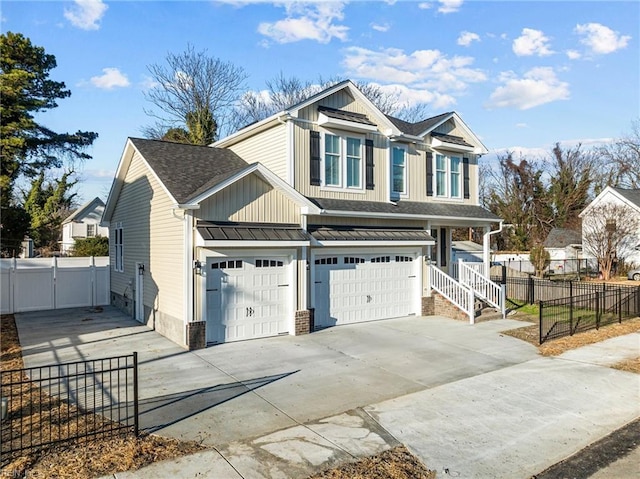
(628, 200)
(467, 251)
(325, 214)
(83, 223)
(565, 250)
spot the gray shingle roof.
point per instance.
(349, 233)
(418, 127)
(454, 140)
(461, 211)
(345, 115)
(562, 237)
(632, 195)
(229, 231)
(186, 169)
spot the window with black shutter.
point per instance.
(429, 173)
(368, 155)
(465, 179)
(314, 166)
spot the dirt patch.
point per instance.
(558, 346)
(396, 463)
(630, 365)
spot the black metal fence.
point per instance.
(531, 290)
(567, 316)
(576, 268)
(84, 400)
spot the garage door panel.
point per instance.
(354, 288)
(252, 300)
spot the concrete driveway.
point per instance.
(463, 398)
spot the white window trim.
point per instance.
(447, 186)
(405, 193)
(342, 186)
(118, 260)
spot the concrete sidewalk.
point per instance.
(463, 398)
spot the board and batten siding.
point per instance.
(250, 199)
(153, 235)
(268, 147)
(340, 100)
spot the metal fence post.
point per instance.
(571, 314)
(136, 424)
(530, 291)
(598, 309)
(619, 301)
(540, 322)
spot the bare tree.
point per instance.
(621, 160)
(610, 234)
(196, 92)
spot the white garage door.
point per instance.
(351, 288)
(247, 298)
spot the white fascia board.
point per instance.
(269, 176)
(372, 244)
(326, 121)
(437, 143)
(366, 214)
(250, 130)
(406, 138)
(118, 180)
(608, 190)
(481, 148)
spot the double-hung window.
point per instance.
(399, 169)
(448, 176)
(118, 248)
(342, 161)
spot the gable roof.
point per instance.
(630, 195)
(185, 169)
(562, 237)
(85, 208)
(419, 127)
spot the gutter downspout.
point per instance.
(486, 249)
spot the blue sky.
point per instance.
(523, 75)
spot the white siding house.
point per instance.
(83, 223)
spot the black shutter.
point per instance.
(368, 161)
(429, 173)
(465, 173)
(443, 246)
(314, 166)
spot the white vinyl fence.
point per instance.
(37, 284)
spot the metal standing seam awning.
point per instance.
(347, 234)
(250, 234)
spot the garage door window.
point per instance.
(227, 264)
(268, 263)
(332, 260)
(403, 259)
(381, 259)
(353, 260)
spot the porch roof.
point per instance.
(229, 231)
(349, 233)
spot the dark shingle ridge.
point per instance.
(632, 195)
(185, 169)
(418, 127)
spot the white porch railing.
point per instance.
(459, 294)
(476, 265)
(471, 275)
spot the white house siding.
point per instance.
(153, 235)
(249, 200)
(340, 100)
(268, 147)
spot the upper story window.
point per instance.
(342, 161)
(399, 169)
(448, 177)
(91, 230)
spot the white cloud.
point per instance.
(531, 42)
(600, 39)
(381, 28)
(414, 96)
(537, 87)
(86, 14)
(466, 38)
(307, 21)
(522, 125)
(449, 6)
(111, 78)
(148, 83)
(573, 54)
(425, 5)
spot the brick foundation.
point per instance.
(304, 321)
(196, 335)
(443, 307)
(428, 306)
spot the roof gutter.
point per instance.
(403, 216)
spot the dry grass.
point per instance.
(396, 463)
(558, 346)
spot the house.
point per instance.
(324, 214)
(565, 250)
(83, 223)
(467, 251)
(611, 225)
